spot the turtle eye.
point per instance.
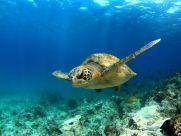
(79, 75)
(87, 75)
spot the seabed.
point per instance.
(157, 113)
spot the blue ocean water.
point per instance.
(40, 36)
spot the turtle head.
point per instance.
(81, 76)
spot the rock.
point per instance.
(147, 115)
(72, 126)
(167, 128)
(149, 120)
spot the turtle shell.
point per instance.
(101, 60)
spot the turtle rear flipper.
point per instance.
(131, 56)
(60, 75)
(117, 88)
(98, 90)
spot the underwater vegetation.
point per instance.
(157, 113)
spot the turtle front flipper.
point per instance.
(60, 75)
(131, 56)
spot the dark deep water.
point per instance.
(40, 36)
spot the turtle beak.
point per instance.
(58, 74)
(78, 82)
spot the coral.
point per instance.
(39, 111)
(50, 97)
(167, 95)
(177, 128)
(132, 124)
(72, 103)
(18, 123)
(117, 99)
(33, 112)
(111, 130)
(160, 96)
(172, 127)
(0, 131)
(126, 104)
(178, 106)
(98, 106)
(115, 116)
(53, 128)
(132, 99)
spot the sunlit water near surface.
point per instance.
(40, 36)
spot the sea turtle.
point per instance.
(102, 70)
